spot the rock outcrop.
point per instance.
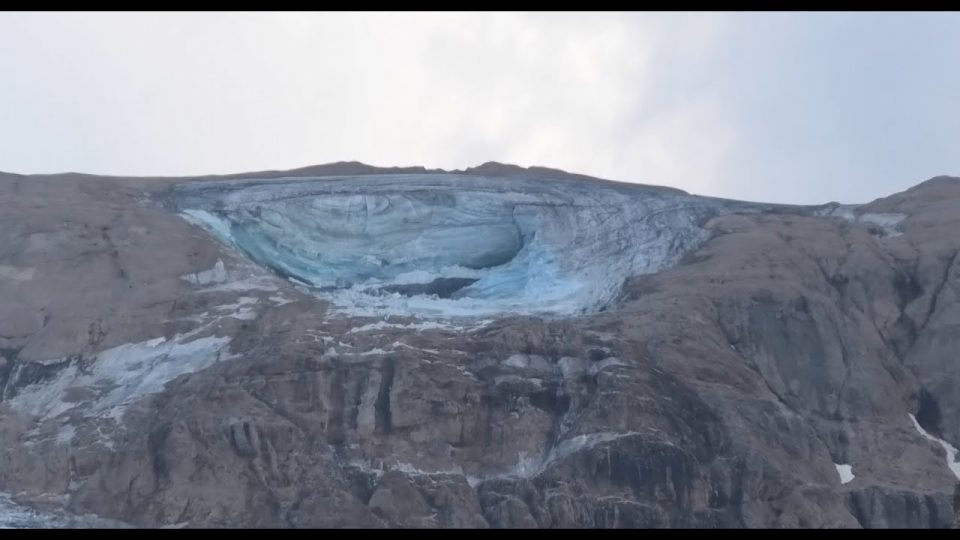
(796, 367)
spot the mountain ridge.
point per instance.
(794, 368)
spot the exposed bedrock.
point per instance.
(737, 365)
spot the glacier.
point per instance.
(453, 245)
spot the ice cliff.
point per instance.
(448, 245)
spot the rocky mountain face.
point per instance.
(342, 346)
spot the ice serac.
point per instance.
(454, 245)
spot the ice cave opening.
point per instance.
(448, 245)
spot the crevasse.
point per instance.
(447, 245)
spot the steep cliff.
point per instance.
(497, 347)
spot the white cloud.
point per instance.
(178, 94)
(721, 104)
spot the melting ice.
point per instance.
(450, 245)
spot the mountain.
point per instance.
(348, 346)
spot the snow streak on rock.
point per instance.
(17, 516)
(886, 225)
(951, 451)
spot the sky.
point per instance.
(780, 107)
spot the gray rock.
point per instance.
(723, 391)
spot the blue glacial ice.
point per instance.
(448, 245)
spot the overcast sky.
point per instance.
(783, 107)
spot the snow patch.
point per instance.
(379, 468)
(281, 300)
(888, 223)
(383, 325)
(843, 211)
(65, 434)
(409, 469)
(217, 274)
(17, 516)
(951, 451)
(528, 466)
(154, 342)
(579, 443)
(517, 361)
(845, 471)
(118, 377)
(266, 284)
(397, 344)
(611, 361)
(571, 366)
(372, 352)
(241, 309)
(528, 361)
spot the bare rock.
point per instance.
(725, 391)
